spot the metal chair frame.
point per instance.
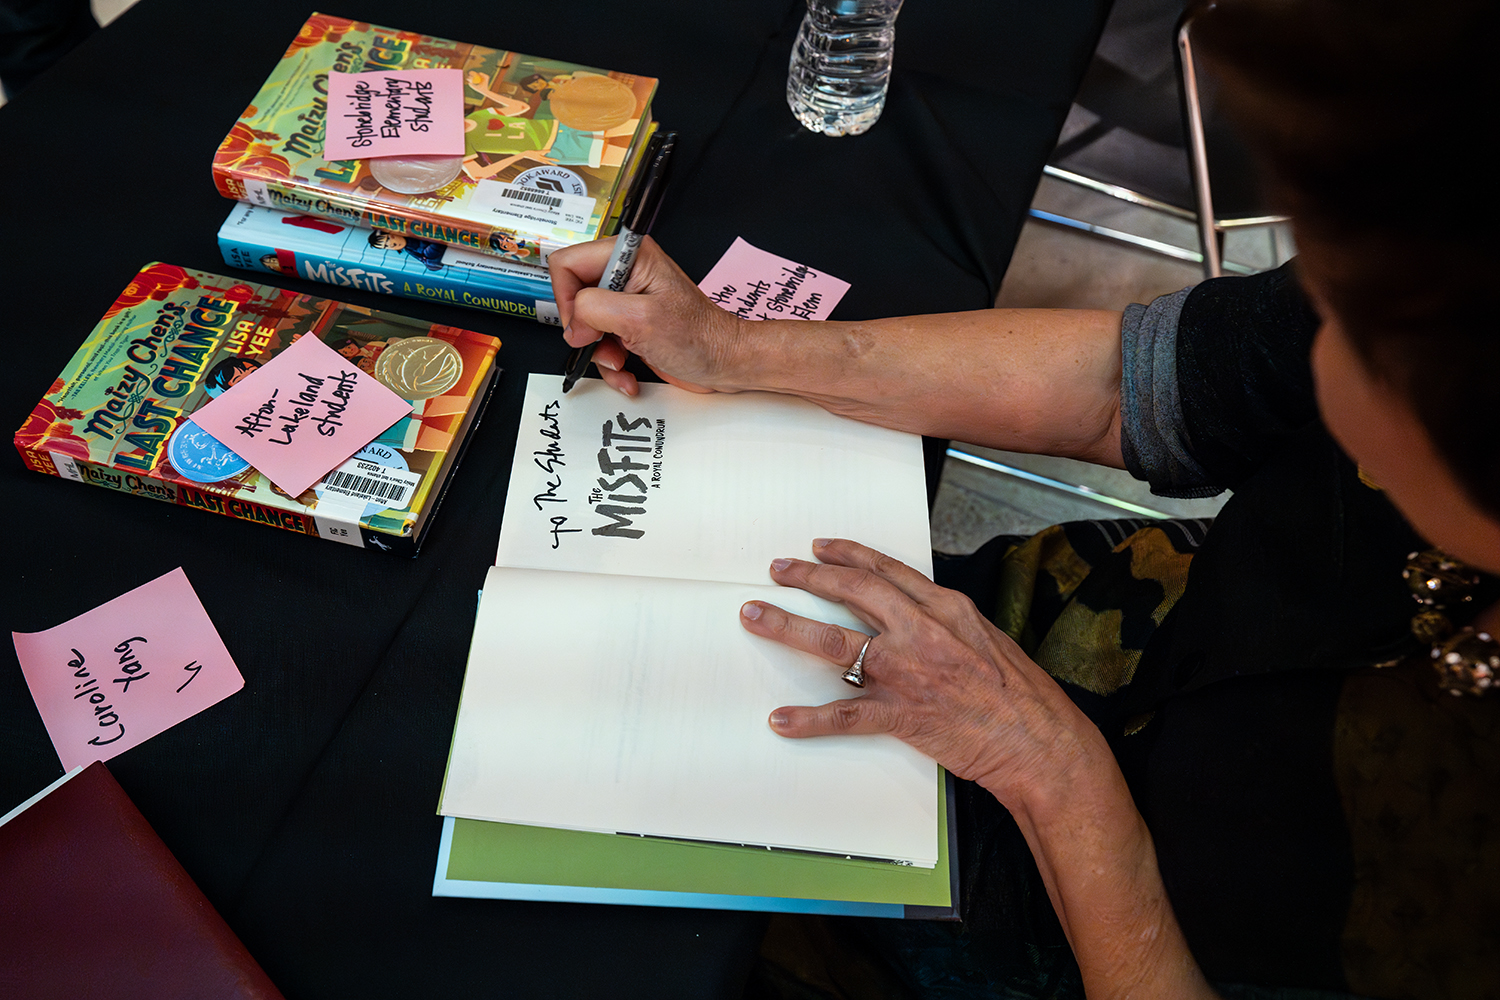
(1211, 230)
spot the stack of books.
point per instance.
(119, 415)
(550, 149)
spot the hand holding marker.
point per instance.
(635, 222)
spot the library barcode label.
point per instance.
(535, 197)
(530, 210)
(372, 483)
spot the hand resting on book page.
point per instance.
(941, 677)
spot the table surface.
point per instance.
(304, 805)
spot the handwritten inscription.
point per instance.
(192, 671)
(557, 529)
(775, 299)
(550, 459)
(757, 285)
(321, 401)
(405, 105)
(132, 671)
(104, 681)
(104, 712)
(258, 419)
(630, 460)
(131, 668)
(393, 112)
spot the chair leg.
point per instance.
(1192, 114)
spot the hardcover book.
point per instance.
(479, 860)
(95, 905)
(120, 413)
(635, 751)
(374, 260)
(545, 144)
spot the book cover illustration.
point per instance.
(376, 260)
(119, 414)
(545, 144)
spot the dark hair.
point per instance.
(378, 237)
(219, 375)
(1370, 119)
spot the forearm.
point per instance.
(1099, 864)
(1041, 380)
(1036, 380)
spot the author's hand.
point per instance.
(938, 675)
(662, 317)
(944, 679)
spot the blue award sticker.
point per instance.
(199, 456)
(377, 474)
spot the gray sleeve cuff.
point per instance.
(1153, 436)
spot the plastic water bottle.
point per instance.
(841, 64)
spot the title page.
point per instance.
(702, 487)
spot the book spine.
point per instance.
(338, 206)
(83, 471)
(250, 254)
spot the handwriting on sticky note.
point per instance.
(301, 414)
(754, 284)
(409, 112)
(133, 667)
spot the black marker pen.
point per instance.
(635, 223)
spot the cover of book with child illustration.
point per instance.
(546, 144)
(119, 414)
(374, 260)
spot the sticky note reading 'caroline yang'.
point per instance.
(301, 414)
(408, 112)
(136, 666)
(754, 284)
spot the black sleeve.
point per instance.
(1215, 378)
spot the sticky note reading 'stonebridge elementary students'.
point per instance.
(414, 112)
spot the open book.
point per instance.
(610, 686)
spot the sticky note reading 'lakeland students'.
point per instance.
(409, 112)
(301, 414)
(136, 666)
(754, 284)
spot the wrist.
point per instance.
(798, 357)
(737, 360)
(1076, 786)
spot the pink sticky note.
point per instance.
(301, 414)
(115, 676)
(754, 284)
(406, 112)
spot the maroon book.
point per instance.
(92, 904)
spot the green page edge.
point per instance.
(534, 855)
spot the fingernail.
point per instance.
(751, 611)
(607, 364)
(780, 564)
(567, 330)
(818, 543)
(777, 720)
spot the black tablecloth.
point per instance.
(304, 804)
